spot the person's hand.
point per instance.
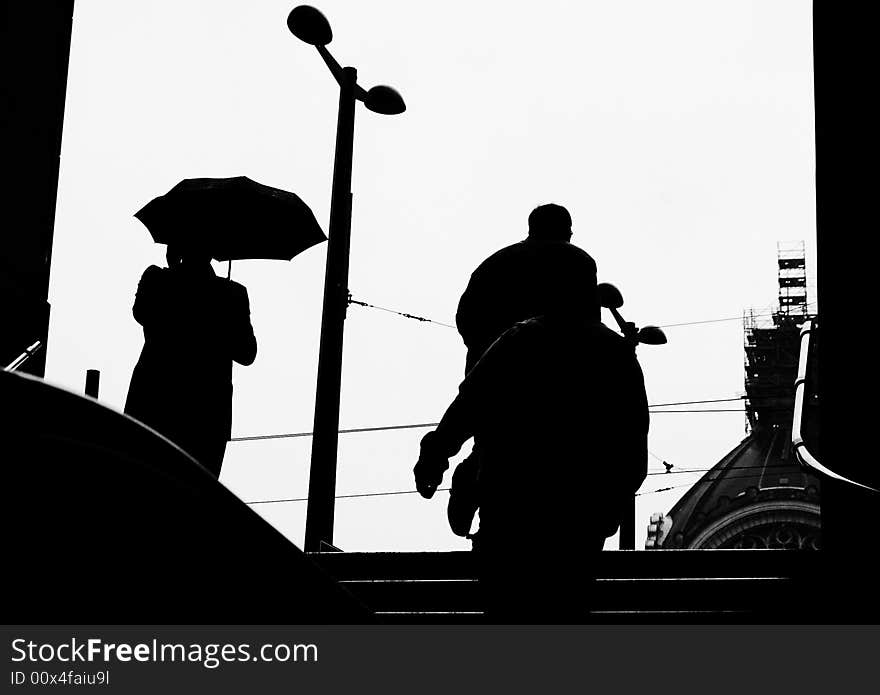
(428, 476)
(429, 468)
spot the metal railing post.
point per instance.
(93, 380)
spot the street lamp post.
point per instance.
(310, 26)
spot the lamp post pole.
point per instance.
(322, 475)
(311, 27)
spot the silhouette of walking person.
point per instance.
(558, 407)
(514, 284)
(195, 324)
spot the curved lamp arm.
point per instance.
(797, 440)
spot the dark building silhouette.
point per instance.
(38, 36)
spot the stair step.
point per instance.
(607, 595)
(620, 564)
(630, 585)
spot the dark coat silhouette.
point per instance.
(559, 409)
(195, 325)
(519, 282)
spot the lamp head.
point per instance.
(652, 335)
(609, 296)
(385, 100)
(308, 24)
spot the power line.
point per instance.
(661, 460)
(348, 431)
(753, 476)
(399, 313)
(421, 425)
(340, 497)
(665, 325)
(729, 318)
(446, 489)
(702, 470)
(713, 400)
(703, 410)
(664, 489)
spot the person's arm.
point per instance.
(243, 342)
(467, 315)
(459, 421)
(147, 301)
(439, 445)
(476, 306)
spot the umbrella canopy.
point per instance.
(232, 219)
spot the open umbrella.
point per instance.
(232, 218)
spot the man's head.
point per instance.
(187, 256)
(550, 222)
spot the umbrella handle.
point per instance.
(229, 270)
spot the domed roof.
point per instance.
(758, 495)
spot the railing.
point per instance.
(24, 357)
(803, 454)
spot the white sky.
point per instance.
(679, 134)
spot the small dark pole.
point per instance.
(322, 476)
(628, 527)
(93, 380)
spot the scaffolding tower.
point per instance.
(772, 345)
(792, 278)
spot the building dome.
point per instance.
(757, 496)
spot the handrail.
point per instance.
(23, 357)
(803, 454)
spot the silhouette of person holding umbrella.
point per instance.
(195, 323)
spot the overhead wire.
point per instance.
(423, 319)
(340, 497)
(399, 313)
(702, 410)
(415, 317)
(728, 476)
(421, 425)
(345, 431)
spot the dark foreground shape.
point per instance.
(108, 522)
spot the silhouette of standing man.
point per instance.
(558, 407)
(514, 284)
(195, 324)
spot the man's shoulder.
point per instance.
(154, 273)
(528, 254)
(569, 250)
(225, 287)
(578, 251)
(231, 284)
(510, 251)
(533, 247)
